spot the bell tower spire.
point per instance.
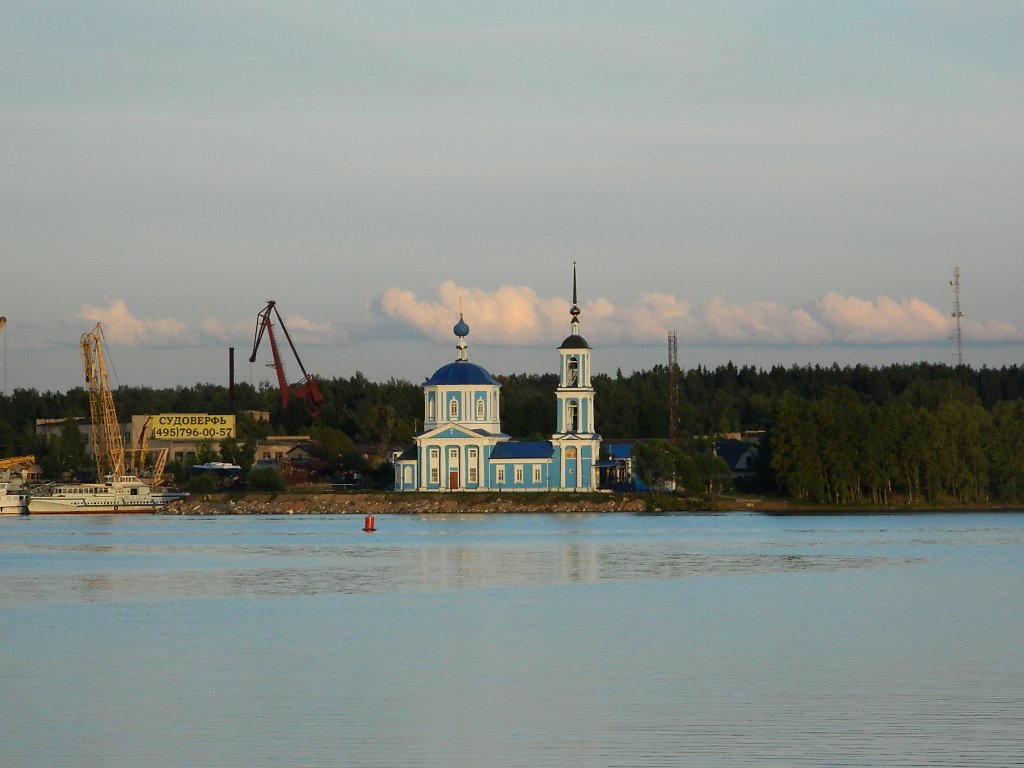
(574, 311)
(575, 440)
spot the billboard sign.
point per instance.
(193, 426)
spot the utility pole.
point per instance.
(957, 314)
(3, 330)
(673, 388)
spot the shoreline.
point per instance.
(315, 503)
(378, 503)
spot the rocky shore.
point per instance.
(292, 503)
(316, 502)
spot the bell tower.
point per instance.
(575, 440)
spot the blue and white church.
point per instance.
(462, 447)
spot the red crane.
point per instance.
(306, 388)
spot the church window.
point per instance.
(519, 473)
(499, 475)
(432, 409)
(536, 474)
(435, 465)
(573, 375)
(572, 416)
(472, 459)
(453, 409)
(480, 409)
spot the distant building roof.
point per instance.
(409, 454)
(619, 450)
(540, 449)
(736, 453)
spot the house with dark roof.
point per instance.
(740, 456)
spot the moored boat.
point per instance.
(13, 501)
(121, 493)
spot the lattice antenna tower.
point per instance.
(957, 314)
(673, 387)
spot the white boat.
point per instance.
(123, 493)
(13, 501)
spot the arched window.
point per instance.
(573, 375)
(453, 409)
(432, 410)
(572, 416)
(480, 409)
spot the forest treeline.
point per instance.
(916, 433)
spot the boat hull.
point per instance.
(123, 496)
(45, 506)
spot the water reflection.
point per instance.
(318, 569)
(577, 642)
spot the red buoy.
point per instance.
(368, 524)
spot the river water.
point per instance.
(512, 640)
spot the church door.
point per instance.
(570, 468)
(453, 468)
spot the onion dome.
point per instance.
(460, 372)
(574, 341)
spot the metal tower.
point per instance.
(673, 387)
(957, 314)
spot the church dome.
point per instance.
(574, 341)
(461, 328)
(460, 372)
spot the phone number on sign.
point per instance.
(192, 433)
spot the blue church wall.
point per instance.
(574, 472)
(535, 475)
(531, 480)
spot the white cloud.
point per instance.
(227, 331)
(122, 328)
(515, 315)
(305, 331)
(508, 315)
(883, 320)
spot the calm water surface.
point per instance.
(534, 640)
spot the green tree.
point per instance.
(656, 463)
(267, 479)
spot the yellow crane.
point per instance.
(107, 443)
(142, 451)
(17, 461)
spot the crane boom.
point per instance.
(307, 388)
(141, 453)
(17, 461)
(107, 443)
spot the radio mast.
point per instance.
(673, 387)
(957, 314)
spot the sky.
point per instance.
(780, 183)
